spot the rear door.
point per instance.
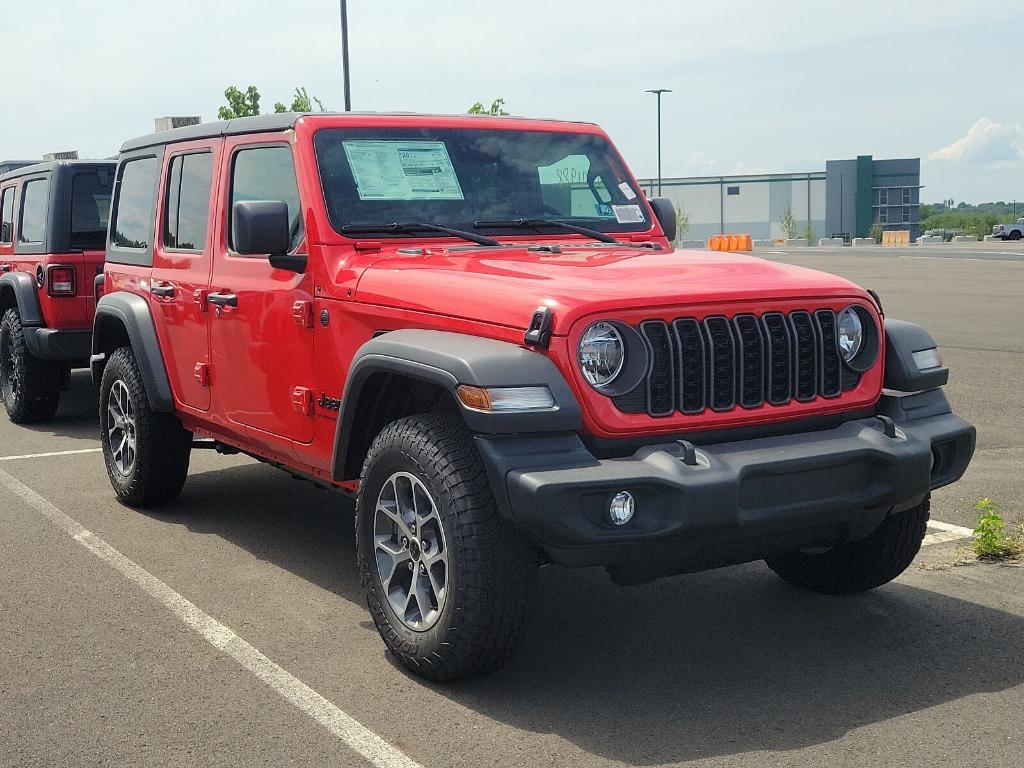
(182, 261)
(261, 335)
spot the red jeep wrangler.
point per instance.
(53, 223)
(478, 325)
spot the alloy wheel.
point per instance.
(410, 551)
(121, 428)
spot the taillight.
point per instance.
(60, 281)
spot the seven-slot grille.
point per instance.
(747, 360)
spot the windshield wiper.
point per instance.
(398, 227)
(594, 234)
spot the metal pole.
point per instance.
(344, 53)
(657, 92)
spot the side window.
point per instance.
(35, 200)
(90, 208)
(7, 216)
(133, 217)
(266, 173)
(188, 201)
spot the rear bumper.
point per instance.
(53, 344)
(742, 500)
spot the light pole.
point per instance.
(344, 53)
(657, 92)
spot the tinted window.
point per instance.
(34, 202)
(90, 208)
(460, 176)
(267, 173)
(188, 201)
(134, 215)
(7, 217)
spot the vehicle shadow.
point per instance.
(76, 417)
(713, 664)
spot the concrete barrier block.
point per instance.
(764, 243)
(965, 239)
(862, 241)
(831, 241)
(797, 242)
(993, 239)
(691, 243)
(929, 240)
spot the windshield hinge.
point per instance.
(538, 334)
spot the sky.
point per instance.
(757, 87)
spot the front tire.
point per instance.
(146, 452)
(860, 565)
(447, 580)
(30, 387)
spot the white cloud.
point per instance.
(986, 142)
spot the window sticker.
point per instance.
(402, 170)
(628, 214)
(604, 211)
(627, 190)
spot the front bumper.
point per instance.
(742, 500)
(52, 344)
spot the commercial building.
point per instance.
(845, 199)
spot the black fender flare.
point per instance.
(902, 340)
(26, 296)
(447, 360)
(132, 313)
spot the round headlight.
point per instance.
(851, 333)
(601, 354)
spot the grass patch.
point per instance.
(991, 541)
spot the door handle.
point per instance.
(223, 299)
(162, 290)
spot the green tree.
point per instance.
(301, 102)
(495, 109)
(682, 223)
(809, 233)
(788, 223)
(240, 104)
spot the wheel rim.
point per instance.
(121, 428)
(10, 367)
(410, 551)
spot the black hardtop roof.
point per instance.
(279, 121)
(51, 165)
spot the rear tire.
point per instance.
(458, 589)
(1015, 235)
(146, 452)
(860, 565)
(30, 387)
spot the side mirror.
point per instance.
(262, 226)
(665, 210)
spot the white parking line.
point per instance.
(49, 455)
(343, 726)
(940, 533)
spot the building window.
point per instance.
(906, 215)
(732, 190)
(883, 216)
(906, 195)
(883, 197)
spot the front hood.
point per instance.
(506, 286)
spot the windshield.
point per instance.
(457, 177)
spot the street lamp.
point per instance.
(657, 92)
(344, 53)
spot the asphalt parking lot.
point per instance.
(104, 662)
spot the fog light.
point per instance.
(621, 508)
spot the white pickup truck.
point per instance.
(1009, 231)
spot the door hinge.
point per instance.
(202, 374)
(302, 400)
(199, 299)
(302, 312)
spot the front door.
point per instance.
(182, 261)
(261, 333)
